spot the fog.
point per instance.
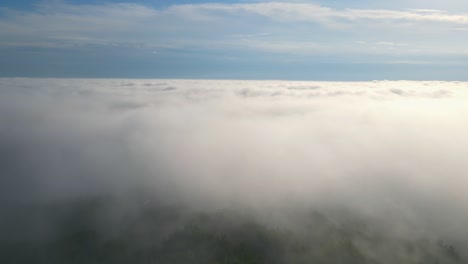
(394, 153)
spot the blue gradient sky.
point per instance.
(307, 40)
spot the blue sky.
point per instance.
(307, 40)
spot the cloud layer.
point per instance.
(394, 151)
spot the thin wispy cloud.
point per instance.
(134, 24)
(309, 33)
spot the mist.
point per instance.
(389, 153)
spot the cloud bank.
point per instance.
(393, 151)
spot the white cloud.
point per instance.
(291, 28)
(386, 148)
(316, 13)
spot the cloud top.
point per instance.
(387, 149)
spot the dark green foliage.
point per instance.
(91, 232)
(203, 241)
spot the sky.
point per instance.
(336, 40)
